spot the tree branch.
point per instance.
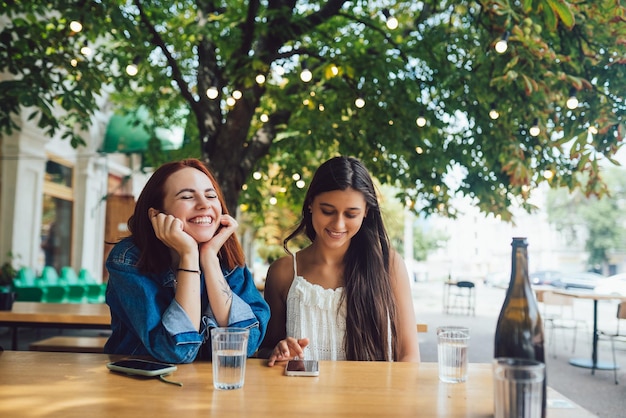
(158, 41)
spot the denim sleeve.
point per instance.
(248, 309)
(147, 318)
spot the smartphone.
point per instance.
(141, 367)
(302, 368)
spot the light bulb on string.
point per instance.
(306, 75)
(503, 43)
(420, 121)
(359, 102)
(493, 113)
(260, 79)
(132, 69)
(572, 101)
(212, 92)
(85, 50)
(391, 22)
(76, 26)
(237, 94)
(534, 130)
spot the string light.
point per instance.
(85, 50)
(359, 102)
(306, 75)
(131, 69)
(76, 26)
(534, 130)
(212, 92)
(231, 101)
(237, 94)
(260, 79)
(572, 101)
(264, 118)
(493, 113)
(392, 22)
(421, 121)
(503, 44)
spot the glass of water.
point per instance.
(452, 343)
(229, 348)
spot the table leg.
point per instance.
(593, 364)
(14, 339)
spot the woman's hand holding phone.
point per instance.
(287, 349)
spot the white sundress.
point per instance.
(315, 313)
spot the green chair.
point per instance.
(25, 277)
(49, 276)
(68, 275)
(96, 292)
(84, 276)
(55, 293)
(29, 294)
(76, 293)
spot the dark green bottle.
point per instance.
(519, 331)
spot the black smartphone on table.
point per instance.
(141, 367)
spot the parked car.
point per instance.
(584, 280)
(499, 279)
(613, 285)
(547, 277)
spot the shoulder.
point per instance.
(280, 274)
(124, 252)
(397, 267)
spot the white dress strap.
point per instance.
(295, 267)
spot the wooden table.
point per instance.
(38, 384)
(55, 315)
(592, 363)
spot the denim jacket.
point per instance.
(147, 320)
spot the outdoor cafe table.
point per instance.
(593, 362)
(40, 384)
(55, 315)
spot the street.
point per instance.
(598, 392)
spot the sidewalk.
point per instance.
(597, 393)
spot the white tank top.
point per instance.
(315, 313)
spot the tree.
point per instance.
(439, 64)
(597, 221)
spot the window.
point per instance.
(57, 214)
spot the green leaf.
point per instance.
(564, 12)
(527, 6)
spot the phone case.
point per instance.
(141, 367)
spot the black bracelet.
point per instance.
(190, 271)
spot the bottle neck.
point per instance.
(520, 282)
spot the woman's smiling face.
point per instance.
(191, 197)
(337, 216)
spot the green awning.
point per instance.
(125, 135)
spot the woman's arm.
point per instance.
(405, 314)
(277, 346)
(276, 297)
(145, 317)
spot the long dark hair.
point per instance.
(155, 256)
(370, 306)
